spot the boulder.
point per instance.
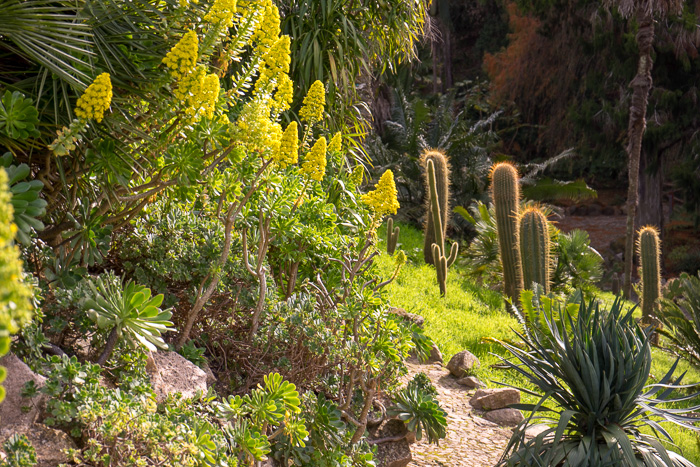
(435, 355)
(171, 373)
(211, 378)
(495, 398)
(405, 315)
(18, 374)
(535, 430)
(471, 382)
(50, 445)
(463, 363)
(508, 417)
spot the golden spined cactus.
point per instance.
(535, 248)
(392, 236)
(442, 183)
(649, 253)
(505, 192)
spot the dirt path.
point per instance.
(471, 441)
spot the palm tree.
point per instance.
(644, 12)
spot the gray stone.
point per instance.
(410, 317)
(535, 430)
(50, 445)
(471, 382)
(435, 355)
(495, 398)
(211, 378)
(18, 374)
(463, 363)
(508, 417)
(171, 373)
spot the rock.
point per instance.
(462, 364)
(608, 211)
(18, 374)
(594, 210)
(435, 355)
(410, 317)
(393, 453)
(211, 378)
(171, 373)
(507, 417)
(48, 443)
(471, 382)
(535, 430)
(496, 398)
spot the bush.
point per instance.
(680, 315)
(594, 378)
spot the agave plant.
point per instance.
(594, 368)
(680, 315)
(128, 311)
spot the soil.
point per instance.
(471, 441)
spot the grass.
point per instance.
(469, 312)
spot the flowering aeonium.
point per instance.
(383, 199)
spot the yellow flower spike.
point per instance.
(222, 12)
(383, 199)
(269, 27)
(278, 57)
(289, 146)
(336, 143)
(315, 164)
(284, 94)
(96, 99)
(209, 94)
(314, 103)
(183, 57)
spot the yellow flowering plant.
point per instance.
(383, 200)
(315, 164)
(289, 147)
(96, 99)
(314, 104)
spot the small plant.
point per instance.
(436, 218)
(128, 311)
(193, 353)
(680, 315)
(28, 206)
(578, 265)
(421, 412)
(596, 375)
(392, 236)
(20, 453)
(505, 193)
(649, 252)
(535, 249)
(438, 246)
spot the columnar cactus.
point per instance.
(392, 236)
(505, 192)
(648, 249)
(615, 285)
(535, 249)
(442, 179)
(438, 246)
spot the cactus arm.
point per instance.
(453, 254)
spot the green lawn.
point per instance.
(470, 312)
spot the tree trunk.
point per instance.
(651, 176)
(641, 84)
(447, 82)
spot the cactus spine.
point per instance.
(535, 249)
(437, 249)
(442, 180)
(392, 236)
(648, 249)
(506, 196)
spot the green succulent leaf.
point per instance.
(18, 117)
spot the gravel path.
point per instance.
(471, 440)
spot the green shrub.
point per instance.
(19, 451)
(594, 399)
(421, 412)
(680, 316)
